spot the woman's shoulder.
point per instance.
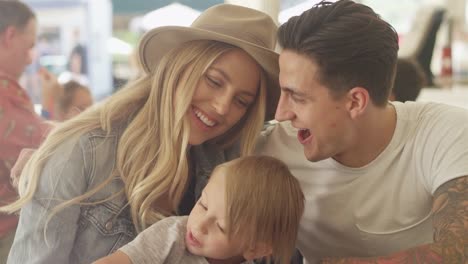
(98, 142)
(92, 153)
(104, 134)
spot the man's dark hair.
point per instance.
(349, 42)
(409, 80)
(14, 13)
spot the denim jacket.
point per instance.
(84, 233)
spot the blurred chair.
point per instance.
(418, 44)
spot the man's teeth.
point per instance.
(204, 119)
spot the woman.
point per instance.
(122, 165)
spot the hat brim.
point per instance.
(159, 41)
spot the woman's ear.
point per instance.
(259, 251)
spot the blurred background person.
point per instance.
(77, 67)
(74, 99)
(409, 80)
(20, 126)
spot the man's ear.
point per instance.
(259, 251)
(358, 99)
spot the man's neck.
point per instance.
(373, 135)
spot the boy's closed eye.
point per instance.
(202, 205)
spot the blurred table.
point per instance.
(457, 95)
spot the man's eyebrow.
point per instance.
(293, 91)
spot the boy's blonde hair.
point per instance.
(151, 156)
(264, 204)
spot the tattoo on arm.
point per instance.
(450, 219)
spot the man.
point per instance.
(20, 127)
(384, 182)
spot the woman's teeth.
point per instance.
(204, 119)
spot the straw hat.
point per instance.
(249, 29)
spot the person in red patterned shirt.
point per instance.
(20, 126)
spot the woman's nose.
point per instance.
(222, 103)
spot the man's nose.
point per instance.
(283, 111)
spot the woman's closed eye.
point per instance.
(213, 81)
(242, 102)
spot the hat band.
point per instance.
(235, 33)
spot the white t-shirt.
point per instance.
(385, 206)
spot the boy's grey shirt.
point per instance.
(163, 242)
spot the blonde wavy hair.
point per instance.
(154, 173)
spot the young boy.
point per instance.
(249, 209)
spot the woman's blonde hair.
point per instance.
(264, 204)
(152, 151)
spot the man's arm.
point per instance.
(450, 220)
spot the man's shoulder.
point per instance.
(424, 115)
(428, 108)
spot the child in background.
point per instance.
(409, 80)
(75, 99)
(249, 209)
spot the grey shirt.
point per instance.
(163, 242)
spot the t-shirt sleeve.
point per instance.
(446, 148)
(163, 242)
